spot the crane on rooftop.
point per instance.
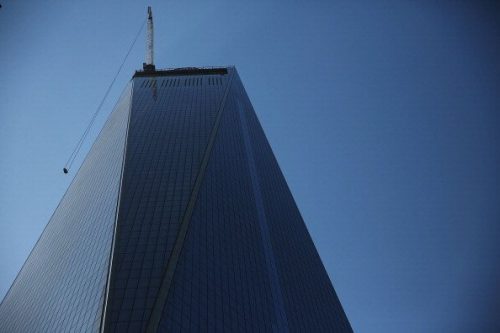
(149, 64)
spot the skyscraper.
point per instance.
(179, 219)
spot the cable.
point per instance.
(79, 144)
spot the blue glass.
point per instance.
(171, 119)
(310, 301)
(61, 286)
(222, 280)
(248, 263)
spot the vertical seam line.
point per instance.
(117, 211)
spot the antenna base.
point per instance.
(148, 67)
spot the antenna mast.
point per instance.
(149, 64)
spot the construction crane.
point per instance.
(149, 64)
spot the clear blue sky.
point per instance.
(384, 117)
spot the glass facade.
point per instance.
(310, 301)
(170, 124)
(61, 286)
(207, 235)
(248, 263)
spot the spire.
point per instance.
(149, 64)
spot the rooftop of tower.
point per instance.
(149, 69)
(182, 71)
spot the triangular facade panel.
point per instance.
(61, 286)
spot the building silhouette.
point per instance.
(179, 219)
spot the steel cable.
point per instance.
(79, 144)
